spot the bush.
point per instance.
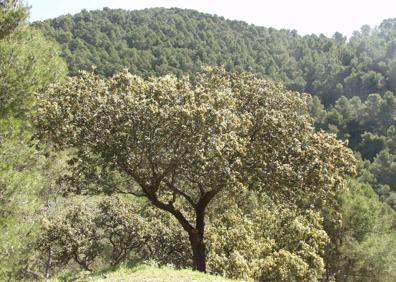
(113, 231)
(270, 243)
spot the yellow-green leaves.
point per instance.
(213, 131)
(265, 242)
(184, 142)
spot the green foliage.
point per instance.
(265, 242)
(371, 145)
(27, 188)
(28, 172)
(342, 74)
(76, 237)
(16, 219)
(384, 168)
(182, 142)
(364, 123)
(112, 232)
(370, 260)
(364, 240)
(196, 146)
(369, 127)
(28, 64)
(140, 232)
(161, 41)
(11, 17)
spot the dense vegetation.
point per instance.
(161, 41)
(341, 73)
(28, 64)
(184, 143)
(212, 168)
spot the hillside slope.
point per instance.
(147, 274)
(158, 41)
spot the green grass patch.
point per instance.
(143, 273)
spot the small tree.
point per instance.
(182, 142)
(28, 64)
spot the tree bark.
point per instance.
(198, 250)
(196, 235)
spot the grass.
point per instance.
(145, 273)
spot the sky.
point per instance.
(306, 16)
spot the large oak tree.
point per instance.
(183, 142)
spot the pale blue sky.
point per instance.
(306, 16)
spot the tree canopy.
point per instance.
(182, 142)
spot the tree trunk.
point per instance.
(198, 250)
(196, 235)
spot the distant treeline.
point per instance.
(159, 41)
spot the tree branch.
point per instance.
(178, 191)
(171, 209)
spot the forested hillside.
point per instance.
(161, 41)
(361, 70)
(205, 154)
